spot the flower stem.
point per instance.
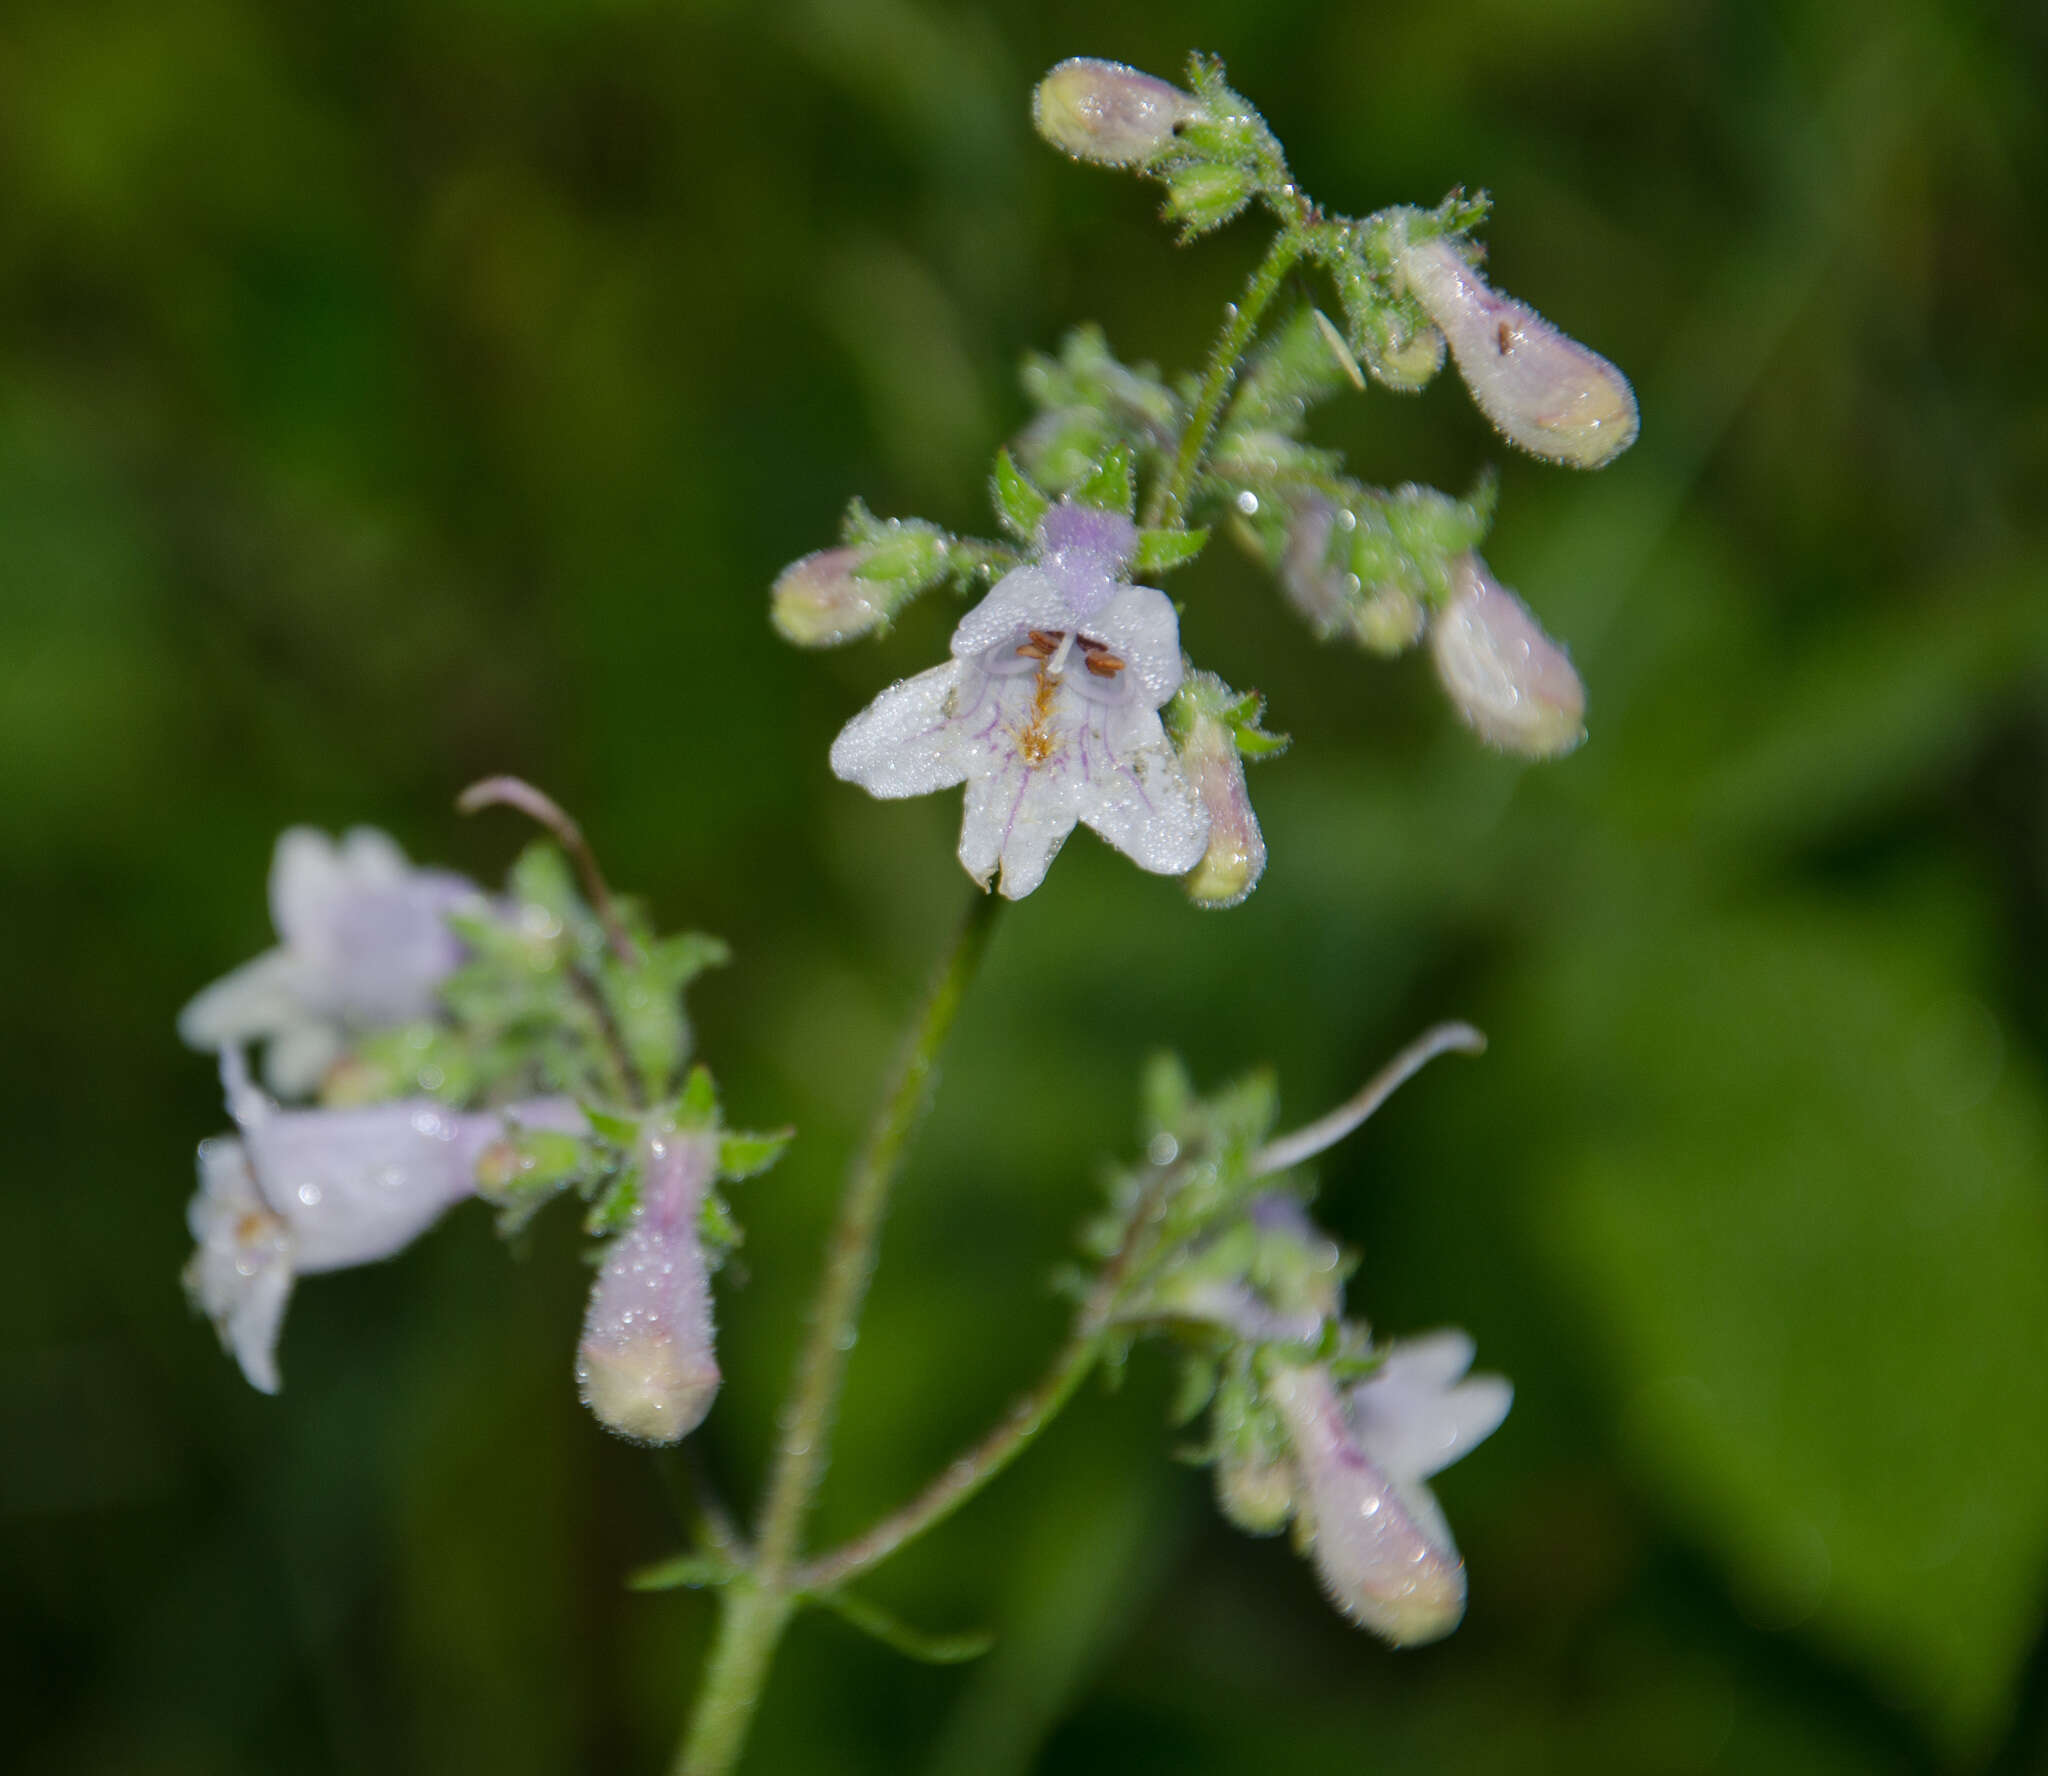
(757, 1608)
(1169, 498)
(966, 1475)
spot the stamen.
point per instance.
(1103, 663)
(1040, 645)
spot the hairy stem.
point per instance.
(757, 1609)
(1169, 498)
(1028, 1415)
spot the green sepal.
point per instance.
(1019, 505)
(1194, 1390)
(614, 1126)
(743, 1156)
(698, 1106)
(1161, 551)
(716, 1228)
(615, 1204)
(693, 1572)
(1111, 486)
(913, 1643)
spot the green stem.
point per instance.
(1020, 1426)
(1169, 498)
(757, 1609)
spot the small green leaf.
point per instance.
(912, 1643)
(693, 1572)
(698, 1106)
(747, 1156)
(614, 1126)
(1161, 551)
(1018, 504)
(1111, 485)
(615, 1205)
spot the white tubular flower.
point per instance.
(301, 1191)
(1108, 113)
(1514, 686)
(1377, 1536)
(1544, 390)
(366, 944)
(645, 1365)
(1048, 712)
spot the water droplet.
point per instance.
(309, 1194)
(1248, 503)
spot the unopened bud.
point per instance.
(1206, 194)
(1108, 113)
(1256, 1495)
(645, 1364)
(1320, 587)
(819, 602)
(1544, 390)
(1514, 686)
(1236, 857)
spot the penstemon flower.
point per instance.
(301, 1191)
(1048, 711)
(366, 943)
(1377, 1536)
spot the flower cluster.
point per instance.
(461, 1045)
(1311, 1422)
(1066, 699)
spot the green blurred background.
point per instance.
(395, 393)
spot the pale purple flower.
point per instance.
(1510, 682)
(1108, 113)
(1048, 711)
(295, 1192)
(645, 1364)
(1361, 1456)
(1544, 390)
(365, 945)
(819, 601)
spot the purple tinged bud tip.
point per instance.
(1109, 114)
(818, 602)
(1514, 686)
(1545, 391)
(645, 1365)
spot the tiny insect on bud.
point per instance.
(1107, 113)
(1545, 391)
(818, 602)
(1514, 686)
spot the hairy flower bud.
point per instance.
(1544, 390)
(1378, 1539)
(819, 602)
(645, 1364)
(1313, 572)
(1108, 113)
(1236, 858)
(1256, 1495)
(1511, 683)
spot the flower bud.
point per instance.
(1206, 721)
(1510, 682)
(1256, 1495)
(1108, 113)
(818, 602)
(1320, 587)
(1545, 391)
(1386, 1560)
(645, 1364)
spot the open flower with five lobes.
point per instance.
(365, 945)
(1361, 1457)
(300, 1191)
(1048, 711)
